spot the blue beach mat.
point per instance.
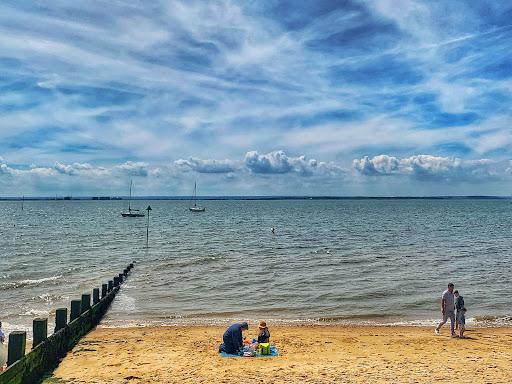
(273, 353)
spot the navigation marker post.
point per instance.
(147, 226)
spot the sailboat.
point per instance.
(132, 212)
(195, 208)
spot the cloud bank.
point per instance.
(428, 167)
(258, 174)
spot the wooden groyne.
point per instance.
(47, 351)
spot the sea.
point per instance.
(349, 261)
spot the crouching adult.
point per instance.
(233, 339)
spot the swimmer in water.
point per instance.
(273, 230)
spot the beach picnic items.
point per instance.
(264, 348)
(248, 351)
(273, 353)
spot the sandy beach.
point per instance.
(309, 354)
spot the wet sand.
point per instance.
(309, 354)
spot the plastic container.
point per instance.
(264, 348)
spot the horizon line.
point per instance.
(245, 197)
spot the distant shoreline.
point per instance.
(114, 198)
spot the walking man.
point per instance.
(448, 309)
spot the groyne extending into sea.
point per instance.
(47, 351)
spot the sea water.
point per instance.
(357, 261)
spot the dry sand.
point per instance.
(309, 354)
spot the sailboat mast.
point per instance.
(130, 199)
(195, 193)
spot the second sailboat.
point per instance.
(195, 207)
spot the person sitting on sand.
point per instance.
(459, 304)
(233, 340)
(447, 309)
(264, 335)
(461, 320)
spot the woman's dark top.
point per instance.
(264, 336)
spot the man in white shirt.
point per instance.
(448, 309)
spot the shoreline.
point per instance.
(478, 322)
(494, 323)
(312, 354)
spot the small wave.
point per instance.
(492, 319)
(125, 302)
(417, 303)
(478, 322)
(34, 312)
(47, 298)
(201, 261)
(177, 321)
(28, 282)
(341, 318)
(370, 320)
(8, 327)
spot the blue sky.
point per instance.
(381, 97)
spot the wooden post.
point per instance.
(104, 289)
(95, 296)
(86, 303)
(40, 331)
(116, 281)
(61, 318)
(110, 285)
(17, 346)
(147, 226)
(75, 309)
(120, 278)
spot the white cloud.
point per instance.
(208, 165)
(428, 167)
(277, 162)
(133, 168)
(76, 169)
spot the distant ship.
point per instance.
(132, 212)
(196, 208)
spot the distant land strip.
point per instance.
(110, 198)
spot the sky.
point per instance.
(267, 97)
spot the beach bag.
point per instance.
(3, 354)
(264, 348)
